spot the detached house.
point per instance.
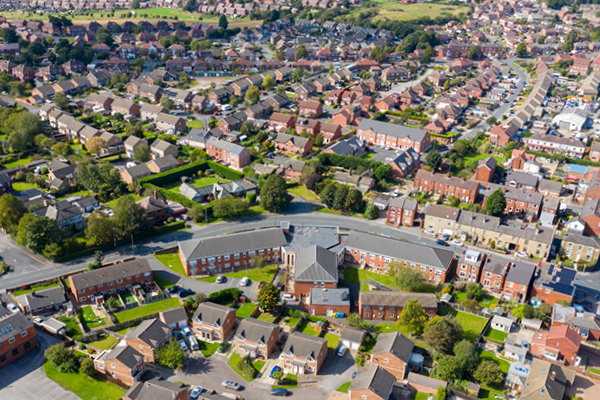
(392, 352)
(372, 383)
(304, 354)
(123, 363)
(213, 322)
(148, 337)
(293, 145)
(256, 338)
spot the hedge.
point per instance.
(228, 173)
(176, 197)
(225, 296)
(348, 161)
(174, 174)
(587, 163)
(162, 230)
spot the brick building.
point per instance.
(394, 136)
(157, 388)
(392, 352)
(304, 354)
(560, 344)
(486, 170)
(17, 336)
(228, 153)
(256, 338)
(469, 265)
(148, 337)
(402, 212)
(314, 266)
(387, 306)
(213, 322)
(554, 284)
(292, 145)
(518, 281)
(372, 383)
(123, 363)
(442, 185)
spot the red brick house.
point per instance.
(394, 136)
(158, 388)
(230, 154)
(372, 383)
(310, 108)
(213, 322)
(545, 285)
(501, 135)
(402, 212)
(518, 281)
(256, 338)
(493, 274)
(147, 337)
(331, 132)
(282, 121)
(486, 169)
(123, 364)
(560, 344)
(304, 354)
(387, 306)
(293, 145)
(17, 336)
(392, 352)
(442, 185)
(310, 126)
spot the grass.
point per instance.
(128, 297)
(594, 370)
(480, 156)
(292, 321)
(83, 386)
(245, 310)
(290, 381)
(265, 274)
(388, 327)
(124, 330)
(355, 275)
(18, 163)
(332, 340)
(200, 182)
(235, 359)
(34, 287)
(148, 309)
(267, 317)
(162, 282)
(208, 349)
(486, 355)
(472, 324)
(328, 210)
(111, 204)
(81, 193)
(171, 261)
(486, 301)
(89, 319)
(195, 124)
(344, 388)
(106, 343)
(307, 329)
(421, 396)
(495, 335)
(405, 12)
(364, 287)
(368, 156)
(302, 191)
(21, 186)
(73, 330)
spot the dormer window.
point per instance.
(310, 359)
(289, 353)
(260, 342)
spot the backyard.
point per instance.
(472, 324)
(21, 186)
(199, 182)
(89, 319)
(387, 327)
(355, 275)
(308, 329)
(111, 204)
(235, 359)
(18, 163)
(495, 335)
(106, 343)
(245, 310)
(267, 318)
(128, 298)
(486, 301)
(194, 124)
(148, 309)
(73, 330)
(162, 282)
(265, 274)
(171, 261)
(332, 340)
(488, 392)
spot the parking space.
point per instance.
(520, 334)
(337, 371)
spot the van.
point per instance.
(193, 342)
(226, 107)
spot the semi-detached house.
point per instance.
(230, 252)
(256, 338)
(148, 337)
(304, 354)
(376, 252)
(372, 383)
(394, 136)
(392, 352)
(213, 322)
(17, 336)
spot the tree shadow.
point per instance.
(197, 365)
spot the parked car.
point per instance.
(193, 343)
(341, 351)
(583, 301)
(230, 385)
(288, 297)
(13, 308)
(445, 237)
(281, 286)
(186, 331)
(442, 243)
(38, 321)
(429, 232)
(456, 242)
(183, 346)
(196, 392)
(525, 345)
(178, 335)
(279, 392)
(521, 254)
(220, 279)
(173, 289)
(244, 281)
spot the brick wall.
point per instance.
(22, 345)
(391, 364)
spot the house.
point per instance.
(590, 214)
(387, 306)
(67, 215)
(230, 154)
(521, 180)
(304, 354)
(546, 381)
(157, 388)
(394, 74)
(394, 136)
(525, 204)
(402, 212)
(175, 318)
(125, 107)
(18, 336)
(373, 383)
(151, 92)
(469, 265)
(352, 338)
(403, 163)
(292, 145)
(161, 148)
(580, 249)
(172, 124)
(132, 174)
(348, 147)
(292, 169)
(162, 164)
(123, 363)
(256, 338)
(554, 284)
(486, 169)
(132, 143)
(550, 188)
(392, 352)
(550, 144)
(230, 252)
(363, 182)
(87, 286)
(518, 281)
(313, 267)
(213, 322)
(442, 185)
(424, 384)
(278, 102)
(310, 108)
(560, 343)
(282, 122)
(501, 324)
(331, 132)
(305, 91)
(147, 337)
(586, 324)
(150, 112)
(43, 301)
(156, 211)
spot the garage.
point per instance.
(352, 338)
(564, 125)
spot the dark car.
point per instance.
(261, 283)
(173, 289)
(442, 243)
(281, 286)
(279, 392)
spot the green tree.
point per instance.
(58, 355)
(130, 218)
(372, 211)
(413, 317)
(382, 171)
(474, 53)
(301, 52)
(100, 230)
(229, 207)
(95, 145)
(135, 5)
(223, 24)
(167, 103)
(408, 279)
(541, 39)
(528, 311)
(269, 82)
(489, 373)
(474, 291)
(268, 297)
(104, 36)
(22, 228)
(192, 6)
(466, 355)
(61, 100)
(274, 195)
(353, 320)
(341, 193)
(521, 50)
(141, 153)
(171, 355)
(441, 333)
(447, 369)
(253, 94)
(258, 261)
(491, 120)
(360, 360)
(568, 46)
(461, 147)
(97, 262)
(41, 232)
(441, 393)
(87, 367)
(354, 200)
(328, 195)
(495, 204)
(433, 159)
(11, 212)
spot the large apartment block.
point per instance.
(394, 136)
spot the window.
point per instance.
(112, 365)
(119, 280)
(110, 283)
(15, 352)
(82, 298)
(24, 333)
(288, 362)
(226, 258)
(81, 291)
(380, 315)
(141, 347)
(11, 340)
(366, 314)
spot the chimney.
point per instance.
(553, 376)
(33, 293)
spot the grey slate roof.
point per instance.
(227, 146)
(399, 131)
(580, 239)
(125, 354)
(111, 273)
(211, 313)
(539, 384)
(12, 324)
(303, 345)
(522, 178)
(425, 381)
(353, 334)
(394, 343)
(154, 389)
(495, 266)
(374, 378)
(234, 243)
(547, 184)
(59, 211)
(397, 299)
(138, 170)
(521, 273)
(150, 331)
(253, 330)
(44, 297)
(174, 315)
(164, 162)
(330, 297)
(409, 252)
(316, 264)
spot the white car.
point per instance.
(456, 242)
(220, 279)
(12, 308)
(429, 232)
(521, 254)
(244, 281)
(38, 321)
(288, 297)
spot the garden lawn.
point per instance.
(18, 163)
(128, 298)
(148, 309)
(302, 191)
(34, 287)
(265, 274)
(245, 310)
(162, 282)
(89, 319)
(21, 186)
(83, 386)
(387, 327)
(292, 321)
(106, 343)
(472, 324)
(332, 340)
(344, 388)
(234, 361)
(73, 330)
(194, 124)
(111, 204)
(307, 329)
(355, 275)
(594, 370)
(486, 301)
(290, 379)
(486, 355)
(208, 349)
(480, 156)
(172, 261)
(421, 396)
(267, 317)
(81, 193)
(495, 335)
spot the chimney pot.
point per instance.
(553, 375)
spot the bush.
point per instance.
(91, 351)
(225, 296)
(81, 346)
(360, 360)
(226, 172)
(174, 174)
(87, 367)
(251, 198)
(277, 374)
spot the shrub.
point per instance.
(277, 374)
(225, 296)
(81, 346)
(251, 198)
(360, 360)
(91, 351)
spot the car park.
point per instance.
(230, 385)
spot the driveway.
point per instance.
(17, 379)
(340, 371)
(583, 388)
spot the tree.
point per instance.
(413, 317)
(112, 303)
(466, 355)
(491, 120)
(171, 355)
(87, 366)
(223, 24)
(253, 94)
(301, 52)
(268, 297)
(447, 369)
(58, 355)
(23, 127)
(354, 200)
(104, 36)
(474, 291)
(9, 35)
(24, 223)
(521, 50)
(319, 139)
(441, 333)
(191, 6)
(229, 207)
(541, 39)
(568, 46)
(474, 53)
(489, 373)
(130, 218)
(95, 145)
(258, 261)
(41, 232)
(141, 153)
(274, 195)
(341, 193)
(372, 211)
(353, 320)
(433, 159)
(167, 103)
(328, 195)
(97, 262)
(360, 360)
(11, 211)
(184, 78)
(100, 230)
(495, 204)
(441, 393)
(382, 171)
(269, 82)
(408, 279)
(135, 5)
(528, 311)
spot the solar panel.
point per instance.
(5, 329)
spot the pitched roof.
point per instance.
(303, 345)
(397, 299)
(253, 329)
(12, 324)
(540, 384)
(316, 264)
(154, 389)
(211, 313)
(126, 355)
(150, 331)
(111, 273)
(173, 315)
(394, 343)
(43, 298)
(353, 334)
(375, 379)
(521, 273)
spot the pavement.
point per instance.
(25, 379)
(583, 388)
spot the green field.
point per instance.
(395, 10)
(172, 261)
(106, 343)
(21, 186)
(73, 330)
(194, 124)
(236, 358)
(37, 287)
(495, 335)
(265, 274)
(128, 298)
(292, 321)
(18, 163)
(83, 386)
(302, 191)
(245, 310)
(472, 324)
(355, 275)
(148, 309)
